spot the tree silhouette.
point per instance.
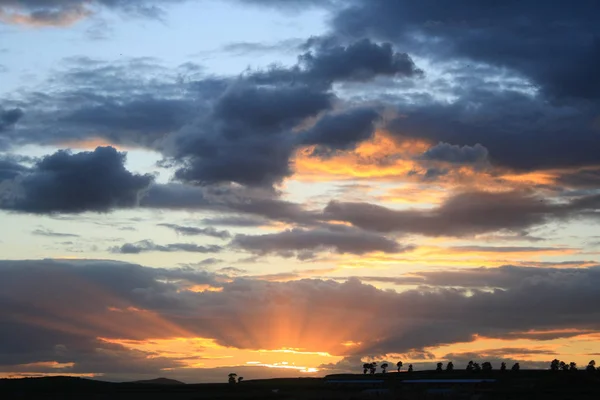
(373, 367)
(516, 367)
(503, 366)
(439, 367)
(450, 367)
(572, 366)
(410, 368)
(240, 378)
(470, 366)
(486, 366)
(366, 367)
(399, 365)
(476, 367)
(591, 367)
(554, 365)
(564, 366)
(384, 366)
(232, 378)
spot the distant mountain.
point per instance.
(160, 381)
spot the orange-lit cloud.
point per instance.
(463, 256)
(52, 18)
(379, 158)
(92, 143)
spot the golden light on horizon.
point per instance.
(207, 353)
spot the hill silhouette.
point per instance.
(525, 384)
(160, 381)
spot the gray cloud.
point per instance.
(505, 277)
(250, 207)
(209, 261)
(91, 99)
(51, 233)
(74, 183)
(303, 243)
(260, 48)
(195, 231)
(237, 221)
(144, 246)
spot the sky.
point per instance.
(192, 188)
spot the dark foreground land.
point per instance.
(546, 385)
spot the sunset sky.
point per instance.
(190, 188)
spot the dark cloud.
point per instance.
(520, 131)
(303, 243)
(175, 196)
(342, 131)
(247, 138)
(329, 61)
(148, 246)
(359, 61)
(9, 117)
(463, 214)
(515, 35)
(51, 233)
(268, 109)
(456, 154)
(195, 231)
(73, 183)
(580, 179)
(9, 168)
